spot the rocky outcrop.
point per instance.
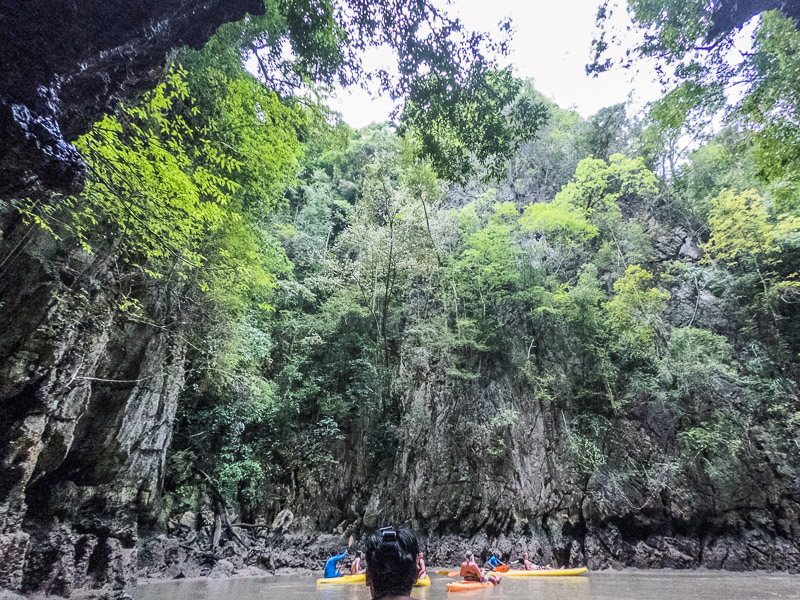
(521, 492)
(64, 64)
(464, 475)
(89, 394)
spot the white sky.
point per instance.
(551, 45)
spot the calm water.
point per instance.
(616, 585)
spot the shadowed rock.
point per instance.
(64, 64)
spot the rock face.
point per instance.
(64, 64)
(89, 396)
(88, 393)
(463, 476)
(524, 495)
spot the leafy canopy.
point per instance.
(463, 112)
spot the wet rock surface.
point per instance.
(168, 556)
(64, 64)
(88, 396)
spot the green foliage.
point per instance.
(458, 106)
(565, 225)
(743, 230)
(635, 315)
(586, 441)
(772, 104)
(741, 227)
(338, 301)
(709, 74)
(600, 190)
(694, 353)
(711, 439)
(169, 197)
(494, 119)
(607, 131)
(153, 182)
(719, 165)
(487, 263)
(501, 434)
(541, 167)
(339, 289)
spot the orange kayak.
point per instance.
(466, 586)
(501, 569)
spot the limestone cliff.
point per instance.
(496, 460)
(88, 393)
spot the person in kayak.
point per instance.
(494, 562)
(422, 571)
(470, 571)
(357, 567)
(330, 565)
(391, 563)
(527, 565)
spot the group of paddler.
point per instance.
(394, 565)
(470, 570)
(358, 566)
(391, 564)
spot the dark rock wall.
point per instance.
(63, 64)
(88, 394)
(528, 497)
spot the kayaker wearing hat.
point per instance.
(391, 563)
(470, 571)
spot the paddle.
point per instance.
(449, 573)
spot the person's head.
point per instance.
(468, 555)
(391, 562)
(525, 555)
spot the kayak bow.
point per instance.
(360, 578)
(424, 582)
(547, 572)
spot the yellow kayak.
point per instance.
(361, 578)
(546, 572)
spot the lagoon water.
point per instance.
(607, 585)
